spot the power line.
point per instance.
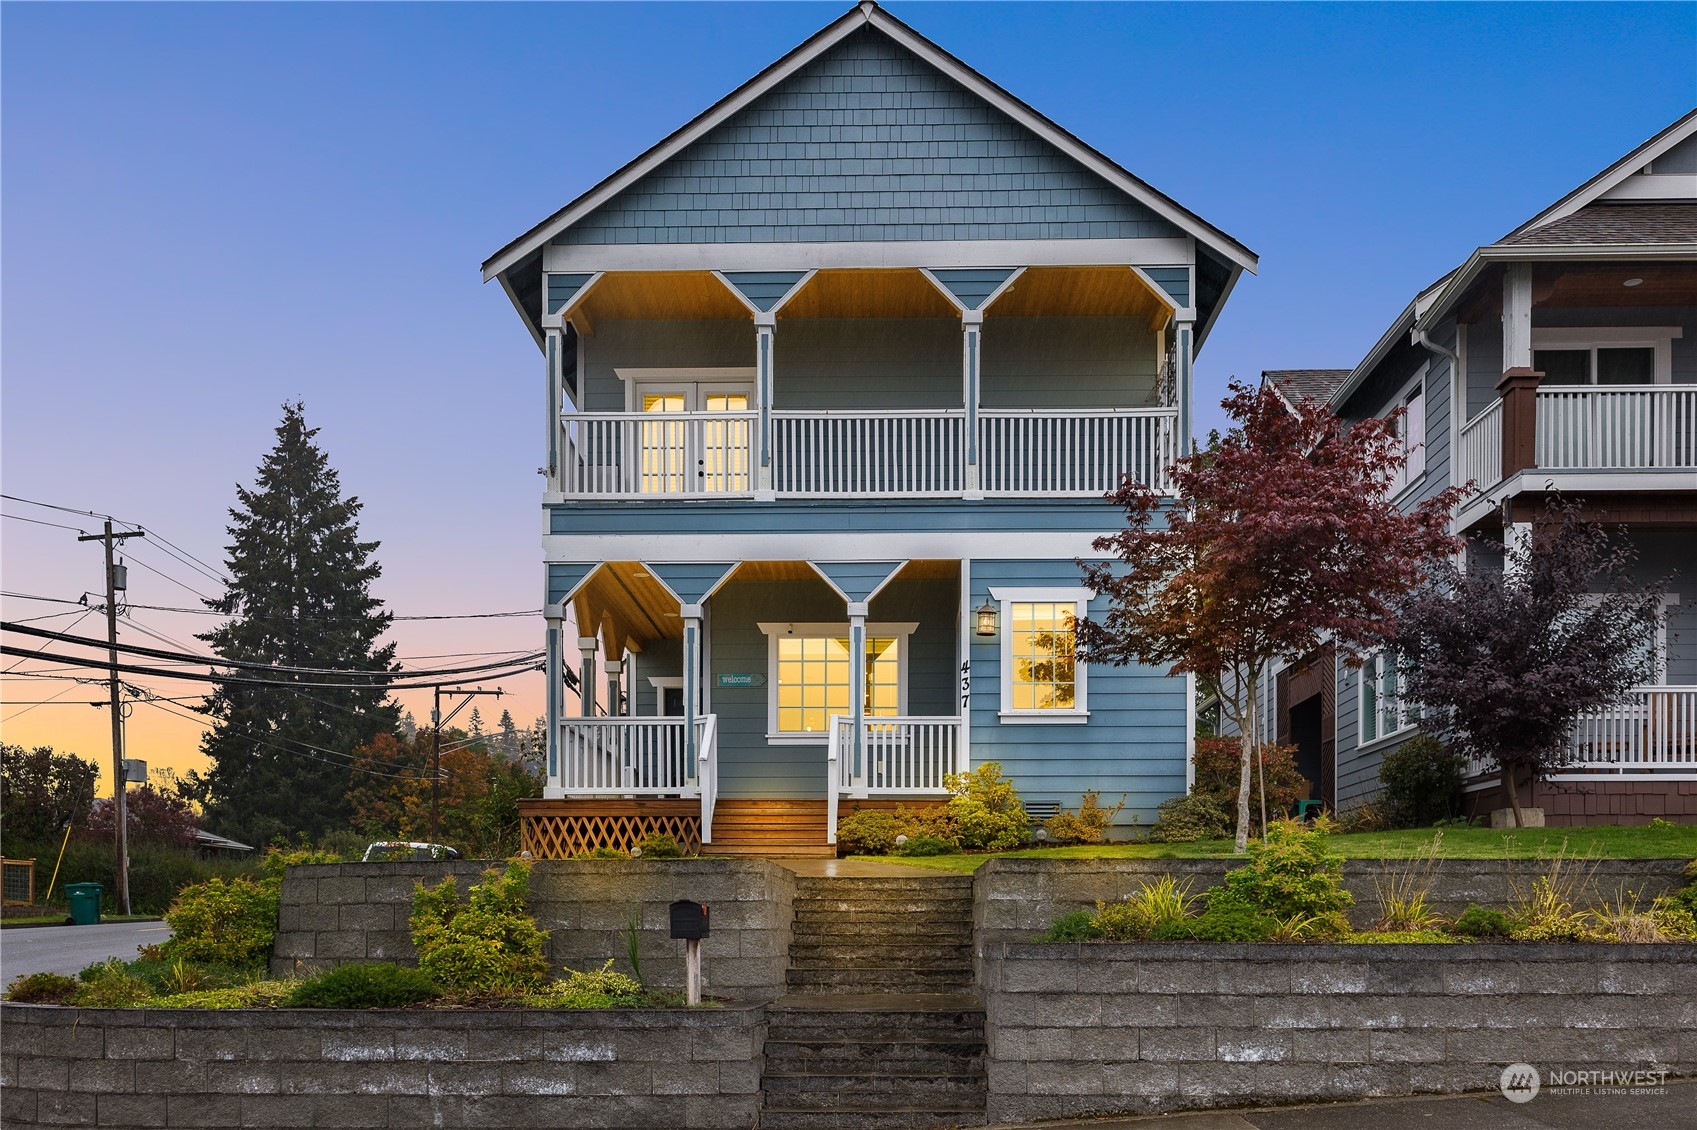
(195, 676)
(238, 664)
(167, 576)
(352, 763)
(39, 522)
(51, 636)
(302, 619)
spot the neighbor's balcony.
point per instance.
(865, 454)
(1650, 736)
(1623, 428)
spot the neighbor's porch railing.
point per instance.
(1079, 453)
(1605, 428)
(1479, 458)
(1652, 735)
(897, 757)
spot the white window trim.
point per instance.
(1659, 643)
(1079, 712)
(1407, 722)
(1659, 338)
(1402, 484)
(900, 631)
(637, 381)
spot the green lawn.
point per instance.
(1672, 842)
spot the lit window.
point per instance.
(1041, 677)
(812, 675)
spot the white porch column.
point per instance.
(586, 675)
(1517, 317)
(765, 327)
(967, 626)
(554, 676)
(691, 615)
(972, 326)
(857, 689)
(555, 359)
(1183, 350)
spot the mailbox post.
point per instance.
(689, 922)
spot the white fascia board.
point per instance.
(1627, 166)
(524, 315)
(1097, 163)
(673, 548)
(1655, 186)
(913, 253)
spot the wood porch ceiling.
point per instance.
(1082, 292)
(869, 293)
(1557, 286)
(654, 295)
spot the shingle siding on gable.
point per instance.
(867, 143)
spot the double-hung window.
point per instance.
(1383, 712)
(1042, 680)
(813, 676)
(1411, 436)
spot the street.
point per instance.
(70, 949)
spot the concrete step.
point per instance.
(827, 1089)
(854, 952)
(780, 1115)
(878, 980)
(912, 1057)
(832, 884)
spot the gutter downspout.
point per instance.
(1418, 337)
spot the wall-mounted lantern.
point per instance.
(987, 613)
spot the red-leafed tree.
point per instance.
(1282, 535)
(153, 816)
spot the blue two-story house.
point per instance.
(837, 376)
(1560, 359)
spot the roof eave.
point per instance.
(1617, 172)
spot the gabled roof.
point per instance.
(1294, 385)
(1615, 225)
(869, 15)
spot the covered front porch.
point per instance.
(721, 703)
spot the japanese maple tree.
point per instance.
(1282, 535)
(1507, 661)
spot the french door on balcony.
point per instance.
(683, 449)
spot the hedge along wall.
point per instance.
(1016, 899)
(332, 914)
(1186, 1026)
(622, 1068)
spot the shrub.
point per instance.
(927, 844)
(1218, 765)
(1422, 779)
(380, 985)
(1480, 922)
(488, 944)
(603, 853)
(1546, 911)
(984, 814)
(110, 984)
(1154, 907)
(1226, 922)
(871, 831)
(1122, 921)
(254, 994)
(1087, 826)
(1677, 923)
(597, 988)
(1185, 819)
(659, 845)
(223, 923)
(1290, 873)
(42, 988)
(1401, 937)
(1073, 926)
(1402, 887)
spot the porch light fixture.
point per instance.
(987, 613)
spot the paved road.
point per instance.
(1675, 1109)
(70, 949)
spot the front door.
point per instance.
(685, 450)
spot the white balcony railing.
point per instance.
(658, 454)
(1480, 450)
(868, 453)
(1082, 453)
(1615, 428)
(897, 757)
(625, 757)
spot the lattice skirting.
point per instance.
(550, 836)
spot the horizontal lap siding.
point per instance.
(866, 363)
(1067, 363)
(658, 344)
(749, 766)
(1133, 744)
(867, 142)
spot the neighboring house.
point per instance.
(837, 377)
(1562, 358)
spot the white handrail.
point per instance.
(834, 727)
(707, 774)
(1082, 452)
(1480, 460)
(1654, 731)
(870, 453)
(648, 454)
(1590, 427)
(624, 757)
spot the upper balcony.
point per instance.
(868, 383)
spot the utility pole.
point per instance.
(120, 810)
(436, 723)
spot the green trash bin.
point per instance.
(85, 903)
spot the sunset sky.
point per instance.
(211, 209)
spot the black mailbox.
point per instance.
(689, 919)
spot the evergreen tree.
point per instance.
(409, 726)
(508, 743)
(299, 596)
(476, 722)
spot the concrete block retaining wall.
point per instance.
(145, 1068)
(1175, 1026)
(332, 914)
(1014, 900)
